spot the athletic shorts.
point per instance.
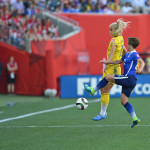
(112, 70)
(127, 82)
(10, 80)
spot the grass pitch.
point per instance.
(45, 124)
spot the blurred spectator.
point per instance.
(42, 3)
(66, 8)
(31, 11)
(138, 5)
(14, 38)
(147, 3)
(108, 10)
(127, 8)
(147, 64)
(103, 3)
(12, 67)
(26, 4)
(89, 6)
(115, 7)
(98, 8)
(147, 7)
(53, 29)
(18, 5)
(54, 5)
(75, 8)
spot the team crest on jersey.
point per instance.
(113, 40)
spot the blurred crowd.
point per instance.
(98, 6)
(21, 17)
(79, 6)
(146, 59)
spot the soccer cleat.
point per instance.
(135, 122)
(99, 117)
(89, 89)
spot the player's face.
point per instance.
(128, 46)
(111, 31)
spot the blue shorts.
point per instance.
(127, 82)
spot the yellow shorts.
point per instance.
(112, 70)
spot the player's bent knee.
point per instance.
(123, 101)
(109, 77)
(105, 90)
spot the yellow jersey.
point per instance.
(119, 42)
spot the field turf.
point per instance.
(38, 123)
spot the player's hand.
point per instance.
(103, 61)
(138, 70)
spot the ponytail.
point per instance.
(119, 26)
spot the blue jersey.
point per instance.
(130, 62)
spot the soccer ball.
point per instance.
(82, 103)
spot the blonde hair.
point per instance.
(119, 26)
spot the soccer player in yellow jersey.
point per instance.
(114, 52)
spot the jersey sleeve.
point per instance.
(114, 41)
(136, 56)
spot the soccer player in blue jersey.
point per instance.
(127, 80)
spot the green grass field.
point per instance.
(70, 128)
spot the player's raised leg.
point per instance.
(100, 85)
(89, 89)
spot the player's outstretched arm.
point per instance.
(142, 64)
(111, 62)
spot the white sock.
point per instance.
(133, 114)
(103, 109)
(96, 89)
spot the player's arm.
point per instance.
(142, 64)
(111, 62)
(111, 54)
(124, 51)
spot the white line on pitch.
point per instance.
(78, 126)
(44, 111)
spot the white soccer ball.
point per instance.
(82, 103)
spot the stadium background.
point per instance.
(29, 120)
(76, 55)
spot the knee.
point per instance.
(123, 101)
(109, 77)
(102, 90)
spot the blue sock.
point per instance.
(102, 83)
(130, 109)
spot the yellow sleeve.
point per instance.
(113, 41)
